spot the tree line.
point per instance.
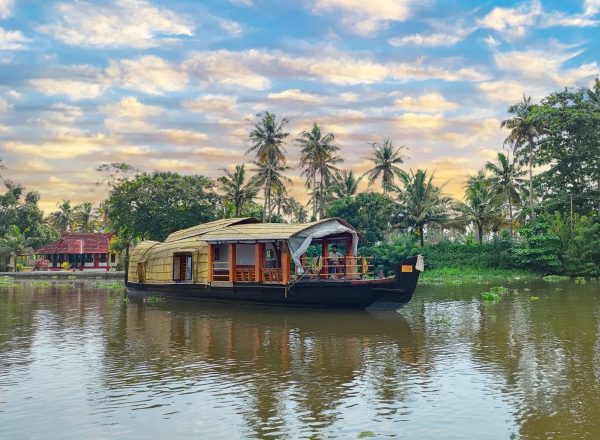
(558, 136)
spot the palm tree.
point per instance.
(236, 190)
(420, 202)
(268, 136)
(318, 159)
(84, 217)
(346, 184)
(271, 173)
(14, 243)
(63, 218)
(594, 95)
(506, 179)
(482, 205)
(523, 131)
(386, 159)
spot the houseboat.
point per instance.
(240, 259)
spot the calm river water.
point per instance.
(76, 362)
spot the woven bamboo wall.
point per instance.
(135, 255)
(158, 259)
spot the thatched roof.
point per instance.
(208, 227)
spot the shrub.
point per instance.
(66, 265)
(41, 264)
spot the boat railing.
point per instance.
(220, 271)
(272, 275)
(347, 268)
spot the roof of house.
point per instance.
(209, 227)
(247, 229)
(78, 243)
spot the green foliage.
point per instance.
(152, 205)
(389, 253)
(154, 299)
(6, 281)
(494, 294)
(366, 434)
(65, 265)
(369, 213)
(111, 285)
(555, 278)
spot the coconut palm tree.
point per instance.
(593, 94)
(268, 137)
(507, 181)
(236, 189)
(63, 218)
(482, 206)
(318, 160)
(346, 184)
(523, 133)
(271, 173)
(420, 203)
(85, 217)
(386, 158)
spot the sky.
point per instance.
(174, 85)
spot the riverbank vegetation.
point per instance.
(535, 208)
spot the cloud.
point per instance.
(591, 7)
(122, 23)
(247, 3)
(511, 91)
(254, 69)
(65, 145)
(183, 137)
(212, 104)
(129, 115)
(6, 8)
(435, 39)
(545, 66)
(4, 105)
(74, 89)
(513, 21)
(149, 74)
(12, 40)
(421, 120)
(427, 102)
(366, 17)
(60, 116)
(295, 95)
(230, 26)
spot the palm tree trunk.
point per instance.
(320, 195)
(265, 205)
(269, 197)
(480, 232)
(314, 194)
(531, 205)
(510, 216)
(421, 236)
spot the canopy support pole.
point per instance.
(211, 257)
(259, 256)
(232, 262)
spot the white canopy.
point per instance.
(299, 242)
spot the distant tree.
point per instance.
(236, 189)
(271, 171)
(386, 158)
(420, 203)
(318, 159)
(85, 217)
(507, 181)
(524, 130)
(111, 174)
(152, 205)
(369, 213)
(268, 138)
(346, 184)
(63, 218)
(482, 203)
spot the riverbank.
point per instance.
(457, 275)
(47, 274)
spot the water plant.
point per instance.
(494, 293)
(154, 299)
(580, 280)
(534, 298)
(366, 434)
(6, 280)
(113, 285)
(555, 278)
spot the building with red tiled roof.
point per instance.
(82, 250)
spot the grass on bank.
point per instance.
(459, 275)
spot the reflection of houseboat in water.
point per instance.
(243, 260)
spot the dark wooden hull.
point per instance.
(377, 294)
